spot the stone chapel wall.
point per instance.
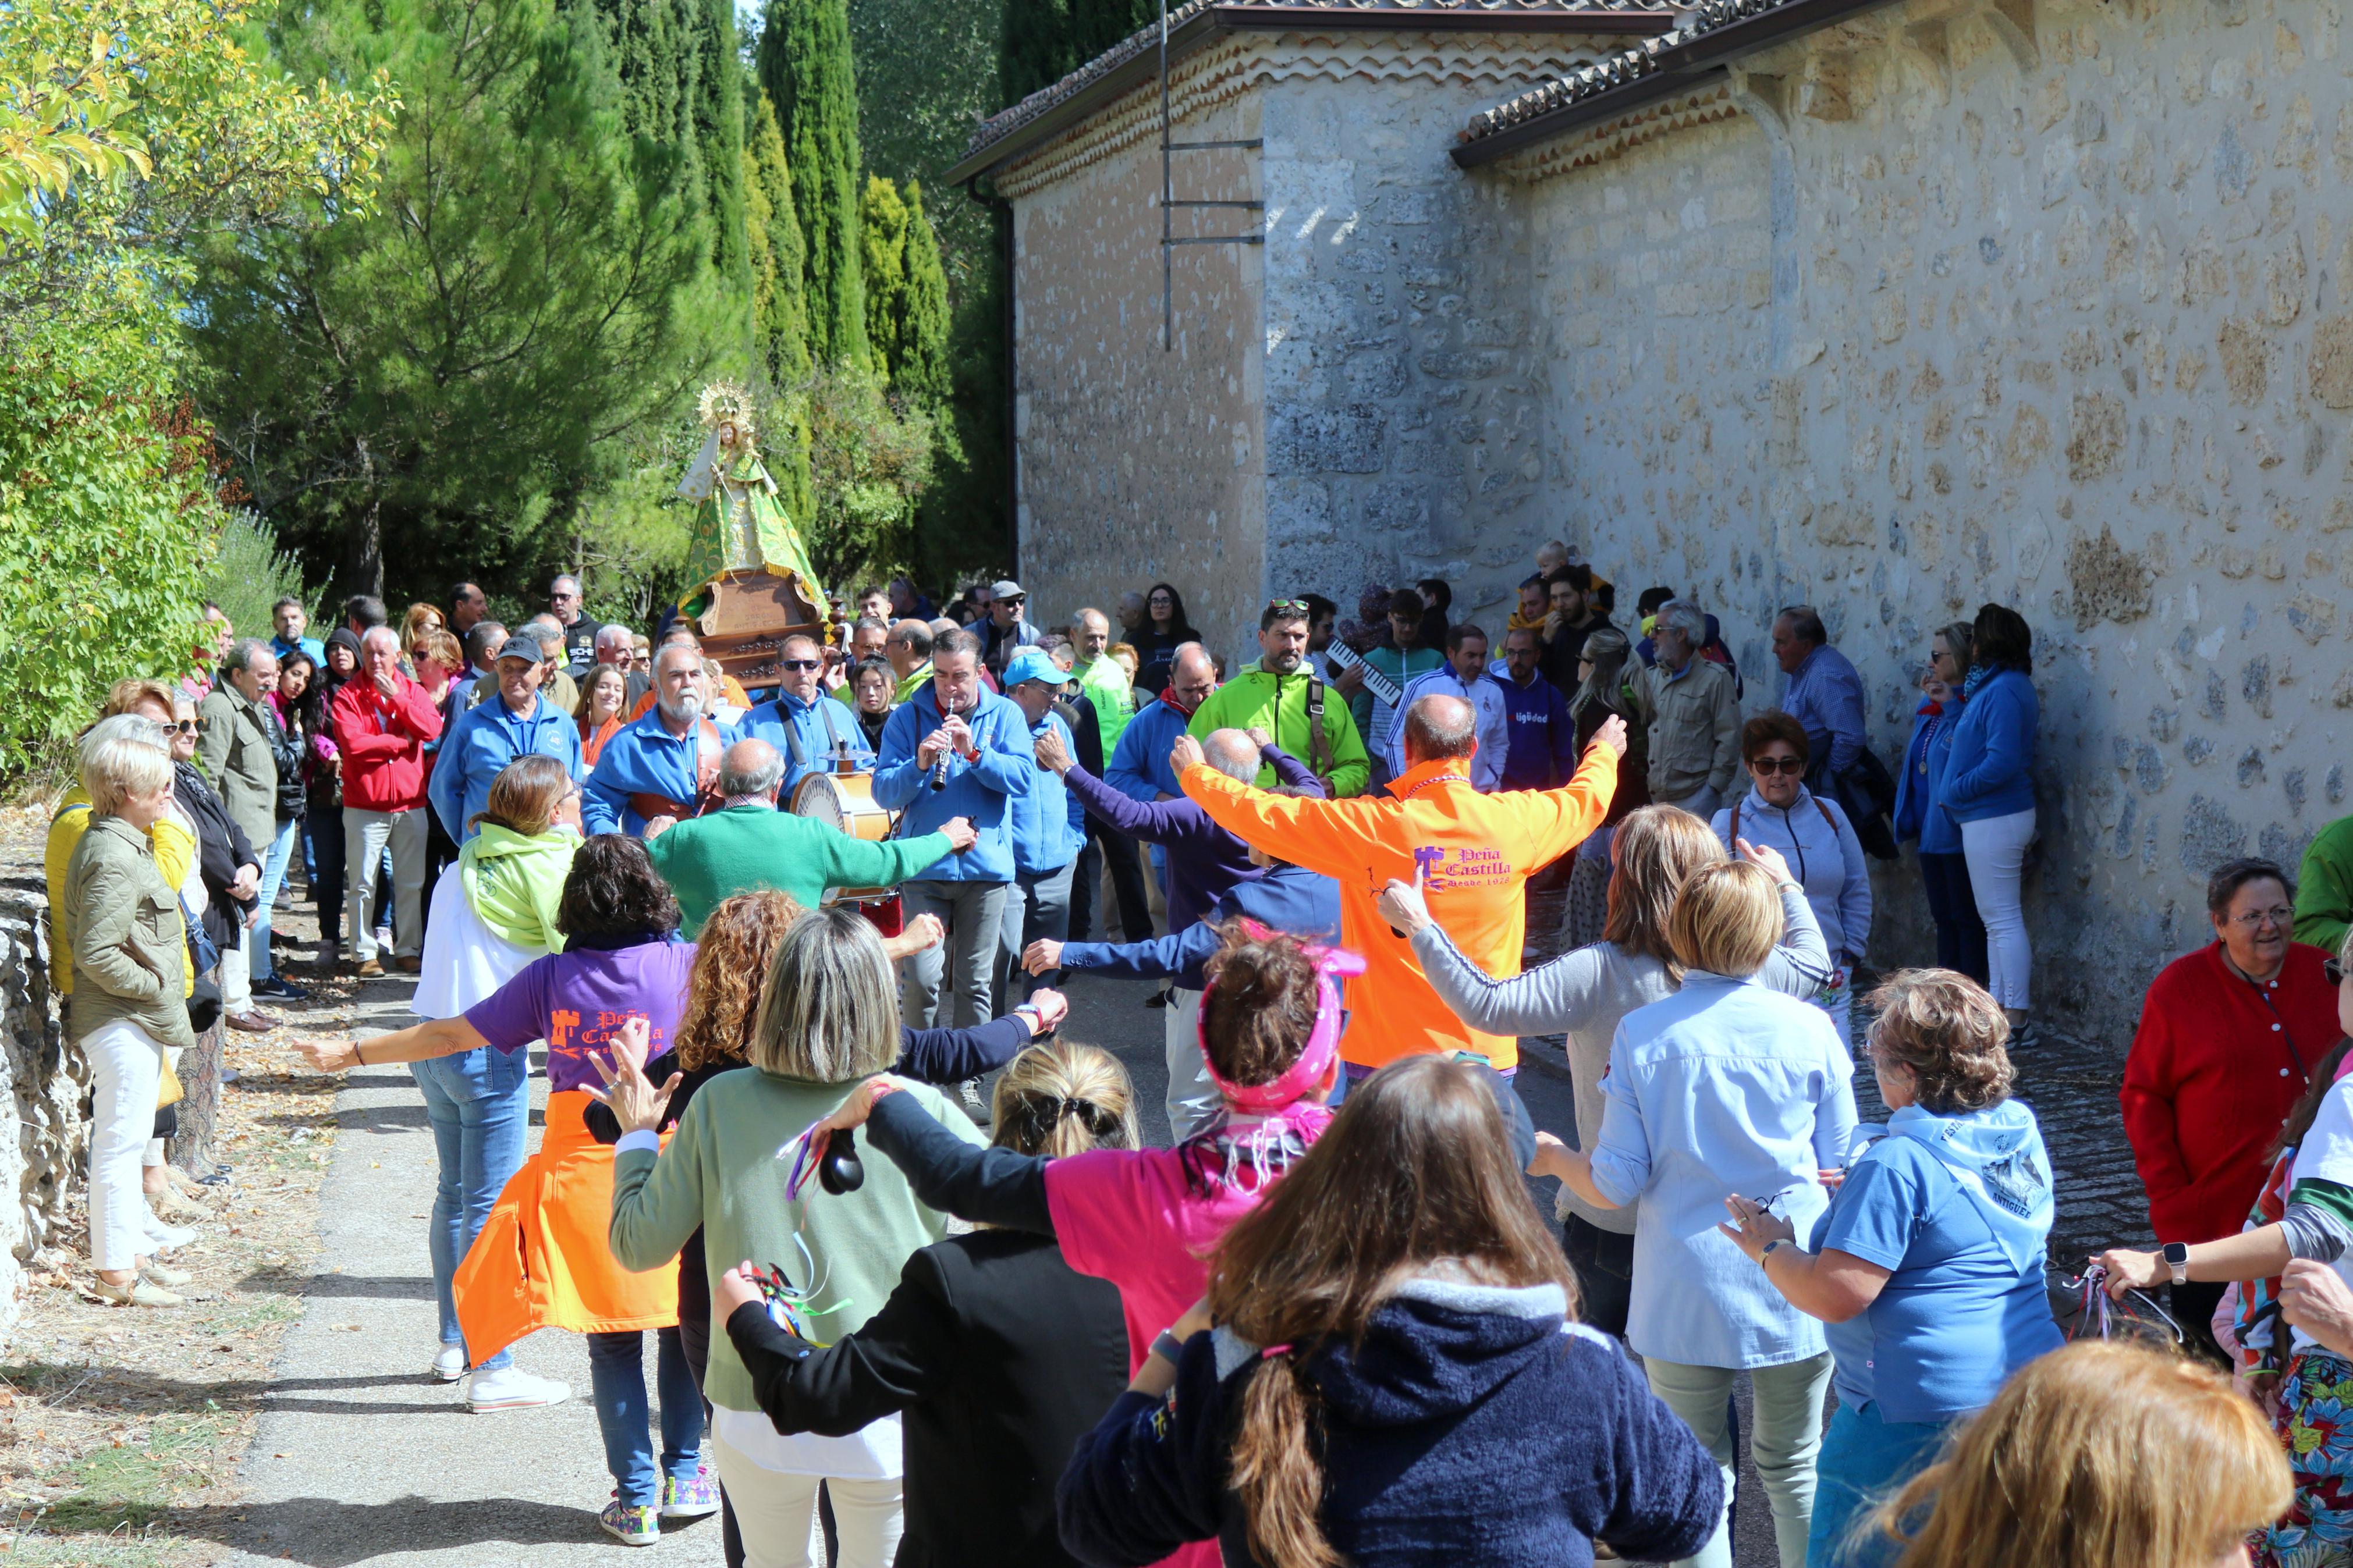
(2040, 303)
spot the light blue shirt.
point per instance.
(1724, 1088)
(483, 740)
(1047, 825)
(1825, 696)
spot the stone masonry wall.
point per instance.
(1136, 463)
(44, 1140)
(2039, 303)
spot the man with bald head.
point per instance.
(1467, 854)
(908, 648)
(1204, 860)
(810, 728)
(746, 844)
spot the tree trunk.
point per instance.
(366, 544)
(191, 1148)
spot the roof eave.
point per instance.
(1206, 27)
(1680, 69)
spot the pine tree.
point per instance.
(920, 369)
(804, 64)
(779, 306)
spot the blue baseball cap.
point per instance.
(1033, 664)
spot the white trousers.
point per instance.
(777, 1513)
(236, 974)
(125, 1068)
(1996, 851)
(1192, 1093)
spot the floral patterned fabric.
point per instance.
(2316, 1423)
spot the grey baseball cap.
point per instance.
(1006, 588)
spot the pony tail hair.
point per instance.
(1278, 1470)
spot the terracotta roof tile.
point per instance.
(1617, 69)
(1007, 121)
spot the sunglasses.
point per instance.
(1016, 600)
(188, 726)
(1288, 606)
(800, 664)
(2334, 971)
(1792, 765)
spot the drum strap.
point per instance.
(793, 733)
(1319, 745)
(707, 748)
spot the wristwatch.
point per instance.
(2177, 1258)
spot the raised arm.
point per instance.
(1155, 959)
(1546, 1000)
(1331, 836)
(1290, 770)
(952, 1055)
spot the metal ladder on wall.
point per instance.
(1169, 238)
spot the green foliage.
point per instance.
(926, 71)
(804, 64)
(882, 251)
(871, 460)
(682, 87)
(631, 537)
(107, 514)
(435, 388)
(1039, 47)
(779, 292)
(919, 359)
(964, 521)
(249, 574)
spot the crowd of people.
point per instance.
(1323, 1322)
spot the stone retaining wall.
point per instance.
(44, 1138)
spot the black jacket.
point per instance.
(221, 849)
(1002, 1357)
(286, 751)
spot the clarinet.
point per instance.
(939, 767)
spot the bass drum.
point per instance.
(846, 802)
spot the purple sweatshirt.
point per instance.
(1204, 859)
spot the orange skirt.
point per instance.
(542, 1260)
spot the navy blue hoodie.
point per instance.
(1473, 1425)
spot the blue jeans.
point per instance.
(273, 877)
(480, 1104)
(1863, 1461)
(617, 1374)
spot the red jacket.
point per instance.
(2215, 1068)
(383, 743)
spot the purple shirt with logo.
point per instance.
(577, 1000)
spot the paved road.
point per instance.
(360, 1458)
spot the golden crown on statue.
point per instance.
(724, 401)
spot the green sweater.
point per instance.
(1278, 705)
(721, 1172)
(2324, 888)
(709, 858)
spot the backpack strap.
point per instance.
(1735, 834)
(1319, 746)
(1827, 817)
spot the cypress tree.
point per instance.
(682, 89)
(919, 371)
(719, 127)
(882, 252)
(779, 307)
(804, 64)
(1037, 46)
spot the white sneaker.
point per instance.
(512, 1388)
(450, 1364)
(167, 1238)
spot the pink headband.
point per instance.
(1332, 965)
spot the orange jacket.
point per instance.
(1476, 851)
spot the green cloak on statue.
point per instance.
(738, 525)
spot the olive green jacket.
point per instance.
(235, 754)
(122, 921)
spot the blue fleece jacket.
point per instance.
(805, 734)
(1204, 859)
(1543, 750)
(1048, 826)
(981, 790)
(1139, 764)
(1287, 899)
(643, 758)
(1444, 1444)
(484, 739)
(1925, 764)
(1990, 772)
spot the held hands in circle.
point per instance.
(1053, 1008)
(2130, 1270)
(631, 1097)
(920, 934)
(959, 833)
(1053, 755)
(1042, 956)
(854, 1110)
(1403, 907)
(1185, 753)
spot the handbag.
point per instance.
(2080, 1304)
(1867, 792)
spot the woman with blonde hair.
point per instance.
(1584, 994)
(121, 920)
(1393, 1352)
(828, 1016)
(1000, 1353)
(1724, 1087)
(1928, 1266)
(2098, 1456)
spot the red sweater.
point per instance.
(2216, 1066)
(383, 743)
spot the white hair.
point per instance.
(372, 632)
(1685, 617)
(612, 634)
(123, 756)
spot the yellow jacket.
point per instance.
(175, 851)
